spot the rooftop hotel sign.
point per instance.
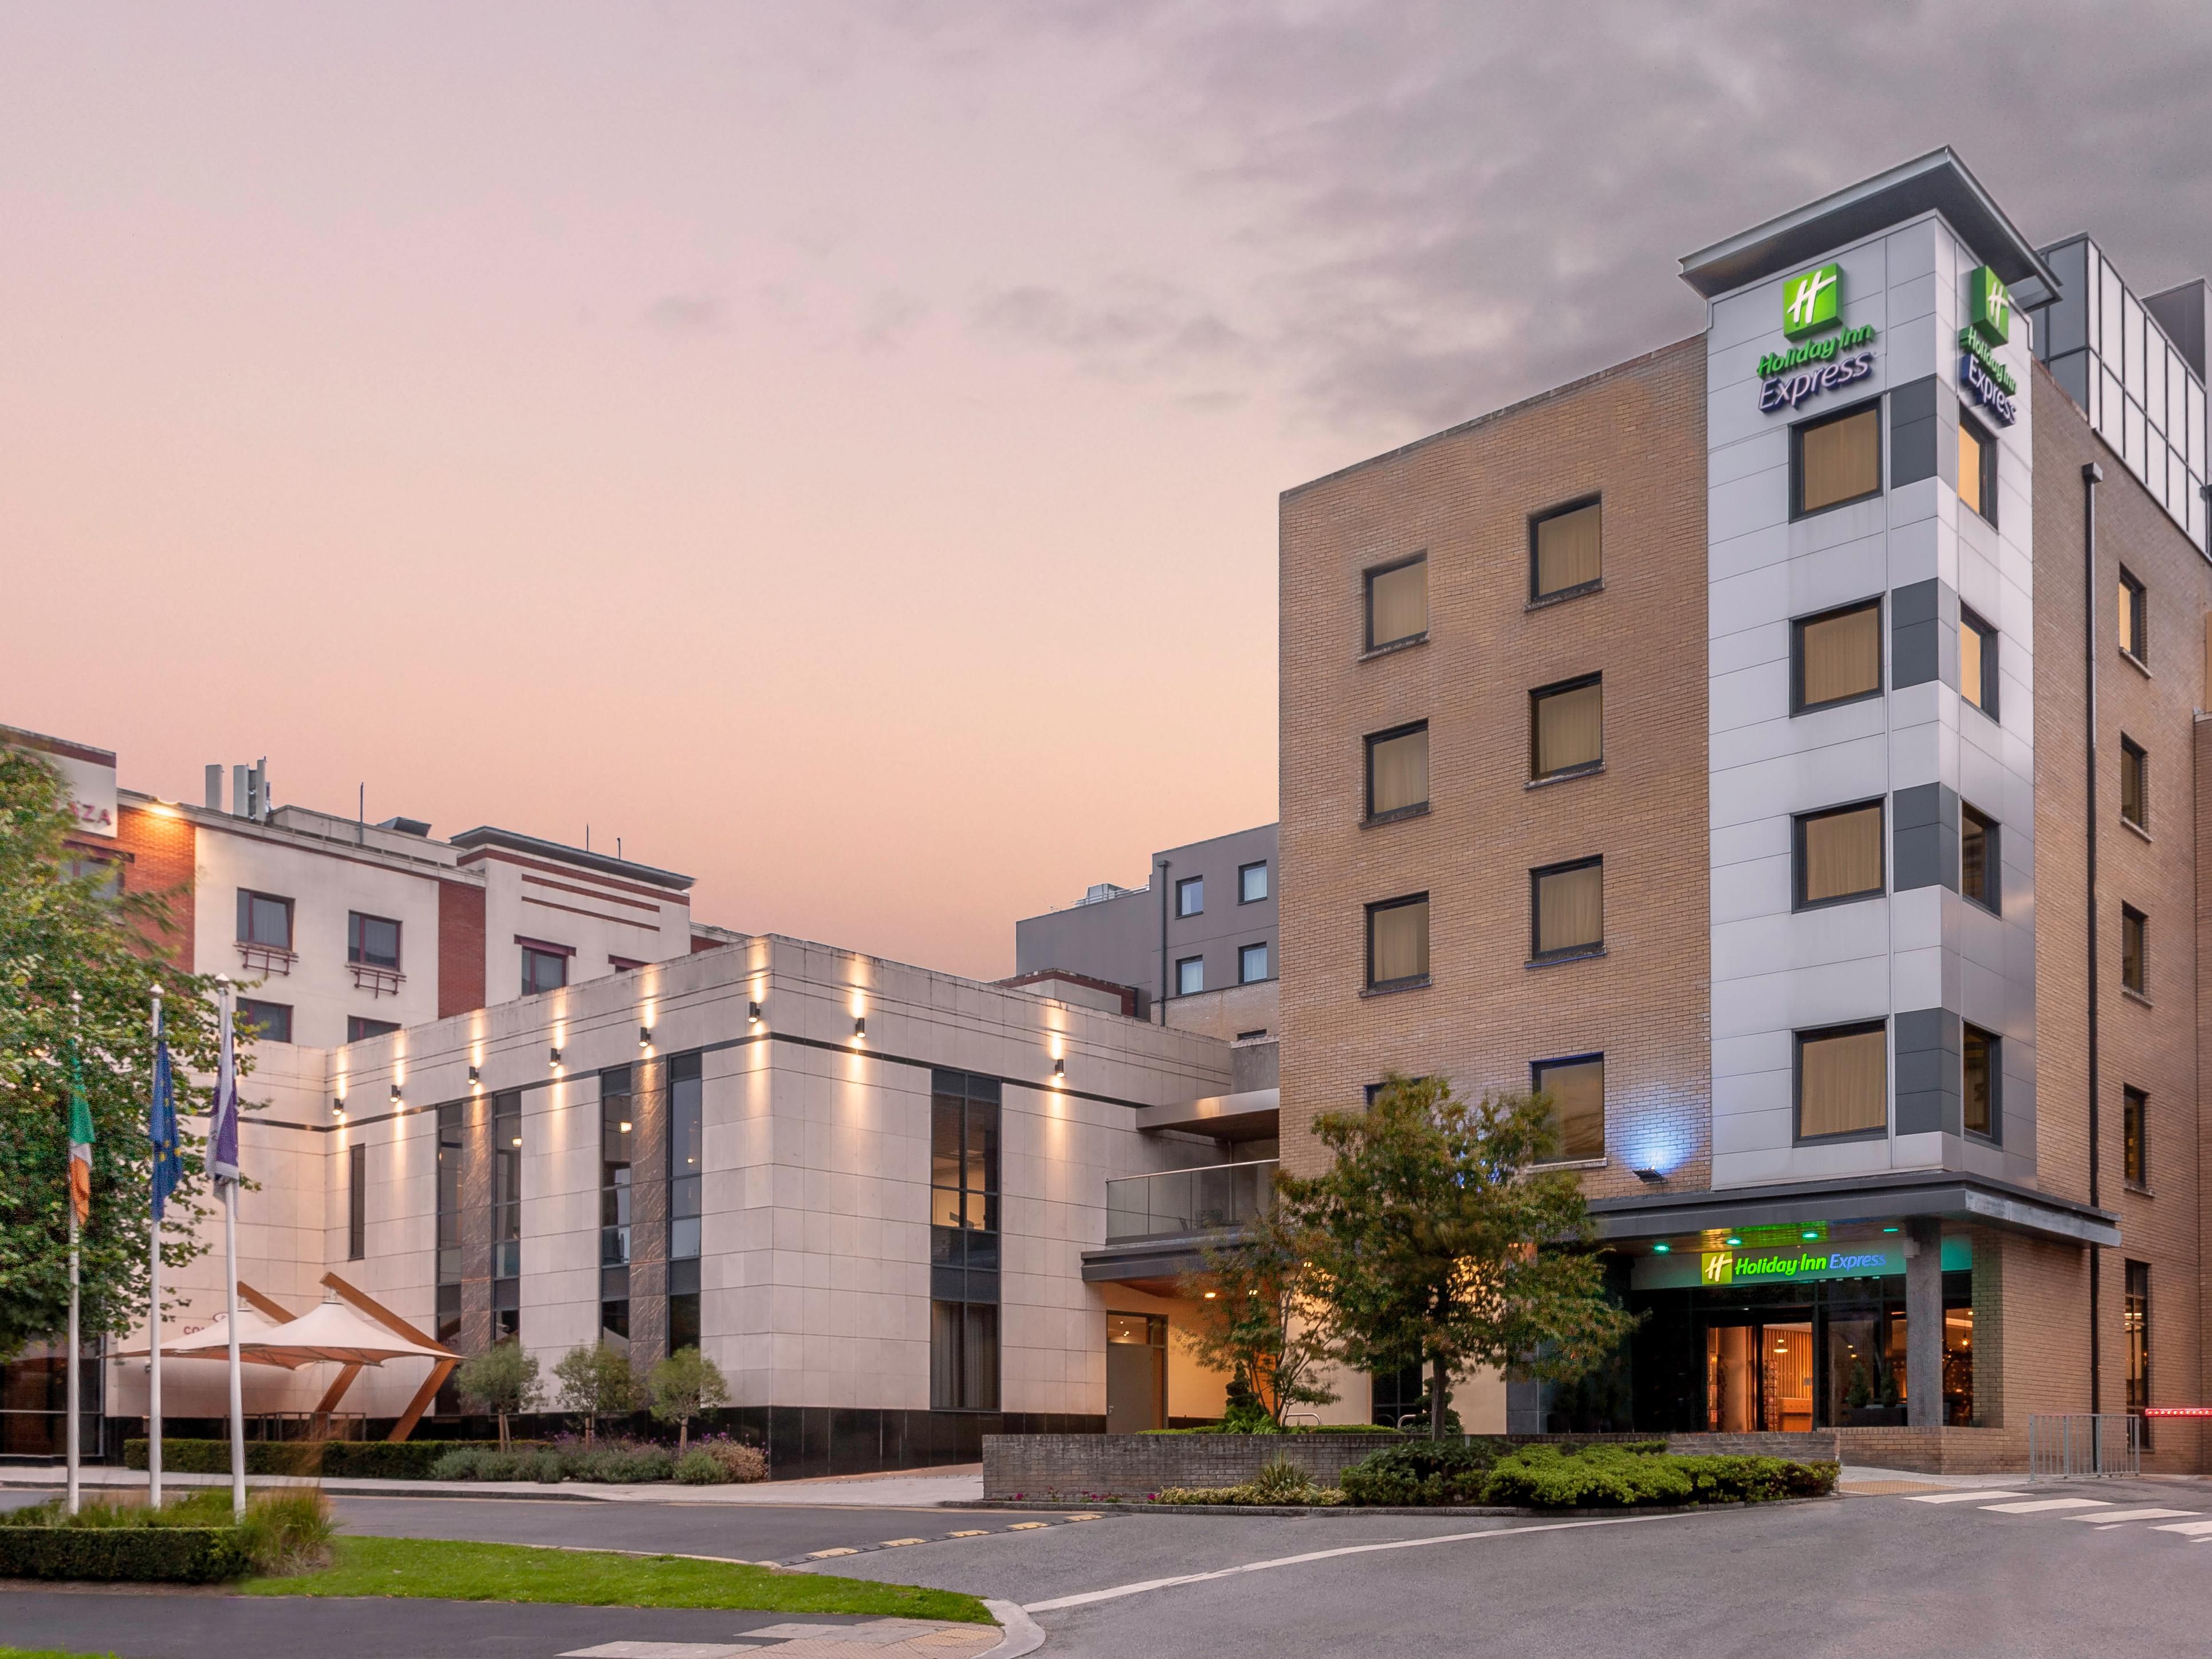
(1819, 360)
(1989, 324)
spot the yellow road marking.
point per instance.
(1086, 1517)
(967, 1535)
(895, 1543)
(1028, 1525)
(823, 1555)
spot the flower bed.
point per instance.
(192, 1541)
(713, 1460)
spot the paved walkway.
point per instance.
(900, 1489)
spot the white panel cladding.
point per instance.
(1776, 972)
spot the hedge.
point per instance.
(358, 1459)
(176, 1555)
(1617, 1477)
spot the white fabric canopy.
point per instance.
(332, 1332)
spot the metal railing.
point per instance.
(1188, 1201)
(2084, 1445)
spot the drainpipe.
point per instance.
(1163, 866)
(2091, 476)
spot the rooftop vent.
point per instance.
(406, 826)
(1102, 890)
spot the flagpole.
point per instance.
(154, 1312)
(77, 1002)
(228, 1086)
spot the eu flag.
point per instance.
(161, 1127)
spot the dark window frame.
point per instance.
(1557, 688)
(358, 1028)
(1243, 951)
(1981, 435)
(1798, 509)
(687, 1110)
(531, 952)
(2138, 619)
(1797, 627)
(246, 895)
(1565, 952)
(2130, 750)
(1266, 883)
(1376, 908)
(1412, 809)
(1815, 1034)
(506, 1204)
(1536, 521)
(1993, 1135)
(2134, 1325)
(1189, 885)
(1969, 618)
(1992, 858)
(1181, 962)
(1369, 642)
(356, 952)
(356, 1202)
(262, 1034)
(2134, 1138)
(2140, 985)
(1536, 1070)
(1797, 867)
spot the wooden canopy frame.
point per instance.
(343, 1380)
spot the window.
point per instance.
(2135, 1320)
(1978, 859)
(1835, 460)
(1251, 882)
(358, 1028)
(450, 1154)
(686, 1153)
(2135, 784)
(622, 965)
(1566, 728)
(103, 870)
(1836, 657)
(1978, 469)
(542, 969)
(1576, 1087)
(2135, 1139)
(1840, 855)
(1190, 976)
(356, 1201)
(2133, 614)
(963, 1241)
(1563, 552)
(1842, 1081)
(1568, 901)
(506, 1185)
(266, 1021)
(1398, 942)
(2135, 950)
(1190, 896)
(1398, 771)
(1977, 662)
(1398, 602)
(1983, 1082)
(618, 1145)
(372, 941)
(264, 919)
(1252, 964)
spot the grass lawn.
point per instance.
(48, 1653)
(455, 1571)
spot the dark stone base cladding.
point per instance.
(1134, 1465)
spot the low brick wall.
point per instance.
(1816, 1446)
(1937, 1451)
(1133, 1465)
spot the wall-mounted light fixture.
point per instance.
(645, 1036)
(860, 1027)
(553, 1055)
(1650, 1177)
(395, 1091)
(1662, 1247)
(338, 1104)
(1735, 1241)
(1059, 1068)
(475, 1075)
(752, 1013)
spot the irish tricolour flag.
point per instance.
(80, 1168)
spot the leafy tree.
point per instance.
(503, 1380)
(683, 1385)
(595, 1382)
(79, 961)
(1255, 1316)
(1442, 1240)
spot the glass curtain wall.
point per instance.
(451, 1152)
(505, 1215)
(686, 1163)
(617, 1135)
(963, 1241)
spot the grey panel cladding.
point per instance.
(1927, 820)
(1913, 433)
(1923, 622)
(1928, 1049)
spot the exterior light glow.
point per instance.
(1059, 1068)
(1733, 1240)
(625, 1128)
(645, 1036)
(475, 1076)
(555, 1055)
(1889, 1230)
(395, 1091)
(752, 1013)
(860, 1028)
(1210, 1295)
(1662, 1247)
(1810, 1234)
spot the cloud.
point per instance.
(687, 314)
(1131, 325)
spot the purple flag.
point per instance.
(222, 1131)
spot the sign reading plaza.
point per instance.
(1812, 302)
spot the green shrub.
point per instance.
(739, 1461)
(286, 1531)
(696, 1468)
(1625, 1476)
(1422, 1472)
(176, 1555)
(394, 1460)
(334, 1460)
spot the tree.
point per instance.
(1255, 1314)
(503, 1380)
(1442, 1240)
(595, 1382)
(79, 962)
(683, 1385)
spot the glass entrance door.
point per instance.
(1759, 1377)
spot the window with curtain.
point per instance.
(1190, 976)
(964, 1357)
(1837, 460)
(1398, 770)
(1842, 1081)
(2135, 950)
(1977, 662)
(2135, 783)
(264, 919)
(1252, 963)
(1840, 854)
(372, 941)
(2135, 1139)
(1563, 552)
(1978, 857)
(1836, 657)
(268, 1022)
(1398, 941)
(2133, 612)
(1978, 469)
(1570, 904)
(1576, 1087)
(1566, 728)
(1979, 1070)
(1398, 602)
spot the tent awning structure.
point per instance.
(349, 1328)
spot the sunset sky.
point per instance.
(835, 447)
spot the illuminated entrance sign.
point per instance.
(1774, 1256)
(1771, 1266)
(1989, 324)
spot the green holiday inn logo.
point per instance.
(1989, 306)
(1810, 301)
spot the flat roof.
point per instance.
(514, 840)
(1938, 181)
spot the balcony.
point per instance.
(1178, 1203)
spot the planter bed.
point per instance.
(1124, 1506)
(174, 1555)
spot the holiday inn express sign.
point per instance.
(1818, 361)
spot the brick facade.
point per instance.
(161, 849)
(460, 948)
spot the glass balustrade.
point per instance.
(1188, 1201)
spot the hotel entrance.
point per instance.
(1759, 1377)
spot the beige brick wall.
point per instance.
(1635, 432)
